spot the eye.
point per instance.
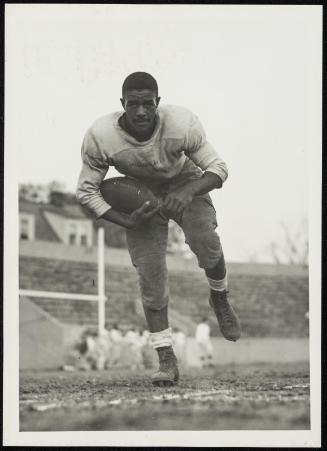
(131, 104)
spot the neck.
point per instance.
(123, 122)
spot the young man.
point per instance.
(166, 148)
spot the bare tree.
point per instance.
(39, 193)
(294, 245)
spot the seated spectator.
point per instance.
(203, 340)
(114, 355)
(149, 356)
(179, 344)
(133, 339)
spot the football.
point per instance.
(126, 194)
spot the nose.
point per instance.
(140, 112)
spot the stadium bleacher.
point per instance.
(270, 303)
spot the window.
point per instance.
(24, 229)
(72, 238)
(26, 226)
(72, 233)
(83, 229)
(79, 234)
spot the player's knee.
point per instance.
(205, 244)
(155, 302)
(155, 297)
(153, 280)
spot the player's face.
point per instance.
(140, 107)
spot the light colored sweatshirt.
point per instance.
(176, 152)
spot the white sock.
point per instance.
(162, 338)
(218, 285)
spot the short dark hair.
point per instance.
(139, 80)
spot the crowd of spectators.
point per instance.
(122, 347)
(114, 348)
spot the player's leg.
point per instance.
(227, 318)
(199, 223)
(147, 246)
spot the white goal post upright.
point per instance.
(101, 282)
(100, 298)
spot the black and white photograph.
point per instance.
(162, 225)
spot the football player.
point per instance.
(166, 148)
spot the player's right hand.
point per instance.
(142, 214)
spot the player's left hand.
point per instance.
(176, 201)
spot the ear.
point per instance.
(122, 101)
(158, 100)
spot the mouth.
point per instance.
(142, 123)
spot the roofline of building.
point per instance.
(119, 257)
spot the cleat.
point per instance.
(228, 321)
(161, 383)
(167, 374)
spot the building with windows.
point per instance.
(61, 220)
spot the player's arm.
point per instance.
(206, 158)
(94, 169)
(177, 200)
(133, 220)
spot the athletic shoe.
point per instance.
(227, 319)
(167, 374)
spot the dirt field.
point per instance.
(262, 396)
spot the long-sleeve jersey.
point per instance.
(176, 152)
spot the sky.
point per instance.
(250, 73)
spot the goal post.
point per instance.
(101, 283)
(100, 298)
